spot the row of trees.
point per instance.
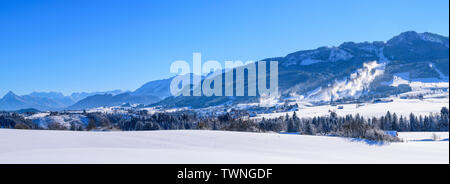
(14, 120)
(326, 124)
(348, 126)
(413, 123)
(358, 126)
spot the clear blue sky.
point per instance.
(89, 45)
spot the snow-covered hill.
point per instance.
(32, 146)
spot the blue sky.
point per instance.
(92, 45)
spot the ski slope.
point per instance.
(197, 146)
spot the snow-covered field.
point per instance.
(196, 146)
(422, 136)
(400, 106)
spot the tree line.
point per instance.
(355, 126)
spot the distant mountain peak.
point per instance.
(52, 95)
(101, 100)
(404, 37)
(410, 36)
(434, 38)
(410, 33)
(159, 88)
(9, 95)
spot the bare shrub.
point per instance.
(435, 137)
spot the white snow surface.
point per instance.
(419, 84)
(199, 146)
(38, 115)
(398, 79)
(107, 110)
(422, 136)
(399, 106)
(354, 86)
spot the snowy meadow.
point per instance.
(201, 146)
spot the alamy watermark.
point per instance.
(207, 79)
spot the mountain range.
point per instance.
(350, 70)
(113, 100)
(45, 100)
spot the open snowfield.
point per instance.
(422, 136)
(196, 146)
(400, 106)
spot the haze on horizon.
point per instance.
(84, 46)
